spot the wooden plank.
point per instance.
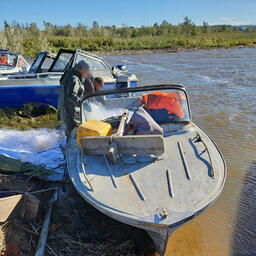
(10, 207)
(127, 145)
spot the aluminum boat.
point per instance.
(153, 182)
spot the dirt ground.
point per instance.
(76, 228)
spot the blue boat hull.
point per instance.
(18, 95)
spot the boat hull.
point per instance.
(17, 96)
(16, 93)
(141, 203)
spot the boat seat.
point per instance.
(117, 144)
(126, 145)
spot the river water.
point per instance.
(222, 88)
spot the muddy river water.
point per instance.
(222, 88)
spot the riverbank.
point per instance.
(166, 50)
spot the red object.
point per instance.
(3, 60)
(162, 100)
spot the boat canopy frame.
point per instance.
(141, 89)
(38, 69)
(73, 59)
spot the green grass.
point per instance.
(154, 42)
(28, 117)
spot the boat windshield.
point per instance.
(37, 62)
(62, 61)
(164, 106)
(47, 63)
(8, 60)
(95, 65)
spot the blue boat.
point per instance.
(41, 84)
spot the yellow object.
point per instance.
(93, 128)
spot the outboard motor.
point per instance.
(123, 78)
(123, 81)
(123, 68)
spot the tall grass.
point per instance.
(152, 42)
(29, 40)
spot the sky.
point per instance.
(129, 12)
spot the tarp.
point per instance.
(42, 148)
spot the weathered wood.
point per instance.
(131, 144)
(44, 233)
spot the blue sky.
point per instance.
(129, 12)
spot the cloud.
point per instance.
(233, 21)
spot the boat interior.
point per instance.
(172, 115)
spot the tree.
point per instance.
(223, 28)
(68, 30)
(6, 25)
(164, 23)
(205, 27)
(48, 28)
(3, 41)
(187, 23)
(81, 30)
(188, 26)
(95, 25)
(34, 30)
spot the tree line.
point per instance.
(187, 27)
(29, 39)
